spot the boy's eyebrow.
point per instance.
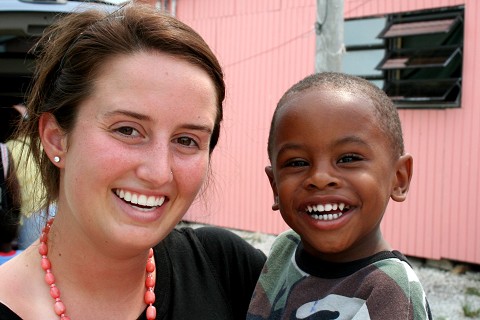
(139, 116)
(353, 139)
(289, 146)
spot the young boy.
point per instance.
(337, 157)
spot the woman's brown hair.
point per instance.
(72, 51)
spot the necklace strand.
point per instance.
(59, 306)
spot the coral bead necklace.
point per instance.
(60, 308)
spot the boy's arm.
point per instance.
(400, 291)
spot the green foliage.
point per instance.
(470, 312)
(473, 291)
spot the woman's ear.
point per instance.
(269, 172)
(53, 139)
(403, 176)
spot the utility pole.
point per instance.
(329, 30)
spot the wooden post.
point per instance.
(150, 2)
(329, 30)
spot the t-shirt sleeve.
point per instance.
(237, 264)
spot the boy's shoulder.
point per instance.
(287, 238)
(383, 286)
(399, 271)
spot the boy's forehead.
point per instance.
(324, 99)
(339, 111)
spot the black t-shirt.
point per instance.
(205, 273)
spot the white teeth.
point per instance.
(328, 217)
(326, 207)
(134, 199)
(332, 211)
(150, 201)
(140, 199)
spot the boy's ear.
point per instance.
(53, 138)
(269, 172)
(403, 176)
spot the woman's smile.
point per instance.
(140, 201)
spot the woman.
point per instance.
(123, 116)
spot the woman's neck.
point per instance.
(90, 277)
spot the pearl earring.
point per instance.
(56, 159)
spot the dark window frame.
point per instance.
(435, 80)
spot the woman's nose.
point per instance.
(156, 165)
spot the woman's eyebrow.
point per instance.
(197, 127)
(128, 113)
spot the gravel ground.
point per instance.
(448, 292)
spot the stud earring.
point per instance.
(56, 159)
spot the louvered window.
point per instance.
(423, 61)
(415, 57)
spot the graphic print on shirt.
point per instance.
(333, 307)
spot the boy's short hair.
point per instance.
(385, 110)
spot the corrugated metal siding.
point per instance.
(265, 47)
(440, 217)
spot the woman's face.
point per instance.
(138, 153)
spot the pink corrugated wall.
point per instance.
(265, 46)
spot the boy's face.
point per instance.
(334, 172)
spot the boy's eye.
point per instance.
(349, 158)
(297, 163)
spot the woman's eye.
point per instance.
(186, 141)
(349, 158)
(128, 131)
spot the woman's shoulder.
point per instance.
(210, 238)
(21, 281)
(219, 244)
(7, 314)
(8, 280)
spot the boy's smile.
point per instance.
(329, 211)
(333, 172)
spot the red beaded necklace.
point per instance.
(60, 308)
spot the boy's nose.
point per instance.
(322, 177)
